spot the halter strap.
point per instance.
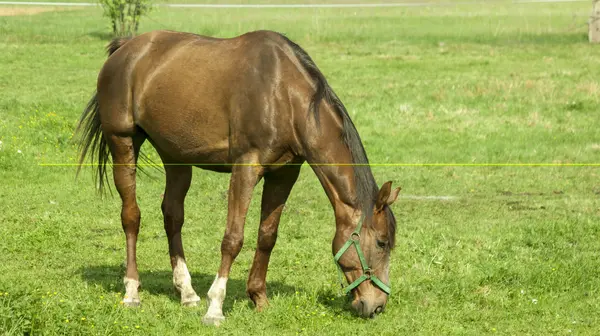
(367, 272)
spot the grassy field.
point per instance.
(511, 250)
(253, 2)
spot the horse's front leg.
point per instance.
(276, 189)
(243, 180)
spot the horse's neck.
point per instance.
(332, 163)
(338, 183)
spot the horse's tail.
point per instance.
(89, 128)
(116, 44)
(92, 142)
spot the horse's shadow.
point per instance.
(110, 277)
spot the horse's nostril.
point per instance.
(379, 310)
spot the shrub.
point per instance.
(125, 15)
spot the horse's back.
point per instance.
(200, 98)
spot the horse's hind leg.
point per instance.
(125, 150)
(178, 183)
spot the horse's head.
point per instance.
(363, 255)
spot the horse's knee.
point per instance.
(232, 244)
(266, 239)
(173, 218)
(130, 218)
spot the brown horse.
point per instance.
(255, 106)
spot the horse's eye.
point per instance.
(381, 244)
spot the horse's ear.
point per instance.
(386, 196)
(393, 196)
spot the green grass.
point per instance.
(252, 2)
(515, 252)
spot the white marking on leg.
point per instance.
(216, 296)
(183, 283)
(132, 297)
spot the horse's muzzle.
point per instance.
(367, 309)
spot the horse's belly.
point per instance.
(187, 139)
(216, 152)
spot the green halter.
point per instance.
(367, 272)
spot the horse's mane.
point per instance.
(366, 187)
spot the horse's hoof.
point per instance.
(131, 302)
(191, 302)
(262, 307)
(213, 320)
(261, 303)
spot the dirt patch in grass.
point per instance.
(29, 10)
